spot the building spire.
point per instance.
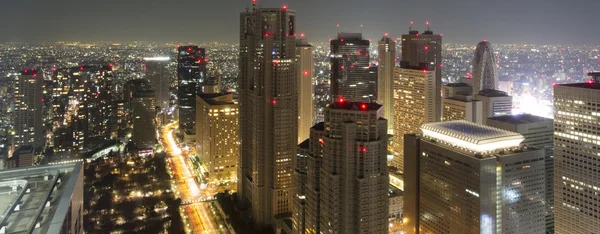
(410, 26)
(253, 5)
(427, 23)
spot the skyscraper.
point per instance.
(494, 103)
(158, 75)
(28, 109)
(143, 109)
(305, 73)
(462, 177)
(217, 135)
(576, 149)
(458, 103)
(484, 68)
(347, 175)
(424, 51)
(385, 80)
(191, 71)
(414, 104)
(538, 133)
(268, 113)
(349, 61)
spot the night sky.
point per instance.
(461, 21)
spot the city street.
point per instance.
(200, 210)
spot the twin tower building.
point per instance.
(333, 177)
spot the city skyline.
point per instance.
(464, 21)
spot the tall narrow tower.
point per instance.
(484, 68)
(158, 75)
(576, 151)
(424, 52)
(350, 68)
(305, 73)
(385, 78)
(28, 109)
(268, 112)
(191, 71)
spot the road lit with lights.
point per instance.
(203, 216)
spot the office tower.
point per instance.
(385, 80)
(118, 119)
(349, 61)
(462, 177)
(305, 72)
(484, 68)
(314, 161)
(143, 109)
(268, 113)
(414, 105)
(424, 52)
(22, 157)
(158, 75)
(28, 109)
(538, 133)
(576, 140)
(191, 71)
(300, 183)
(458, 103)
(217, 138)
(44, 199)
(212, 85)
(494, 103)
(354, 176)
(372, 83)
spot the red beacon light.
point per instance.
(363, 106)
(590, 82)
(274, 102)
(284, 7)
(321, 141)
(341, 100)
(553, 84)
(306, 73)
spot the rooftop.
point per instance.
(521, 119)
(589, 85)
(493, 93)
(460, 84)
(319, 126)
(305, 144)
(363, 106)
(35, 196)
(472, 136)
(215, 99)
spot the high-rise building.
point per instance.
(538, 133)
(414, 104)
(45, 199)
(143, 109)
(217, 139)
(424, 52)
(212, 85)
(494, 103)
(300, 183)
(346, 190)
(372, 83)
(484, 68)
(462, 177)
(576, 151)
(305, 73)
(349, 61)
(268, 98)
(385, 80)
(191, 71)
(28, 109)
(458, 103)
(158, 75)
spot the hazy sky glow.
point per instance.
(461, 21)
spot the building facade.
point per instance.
(385, 78)
(484, 68)
(462, 108)
(217, 138)
(347, 175)
(349, 59)
(414, 104)
(305, 72)
(538, 133)
(191, 72)
(158, 75)
(268, 113)
(143, 107)
(463, 177)
(494, 103)
(28, 123)
(576, 149)
(423, 51)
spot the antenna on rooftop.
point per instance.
(410, 26)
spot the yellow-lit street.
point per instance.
(202, 213)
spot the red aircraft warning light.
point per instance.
(363, 106)
(341, 100)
